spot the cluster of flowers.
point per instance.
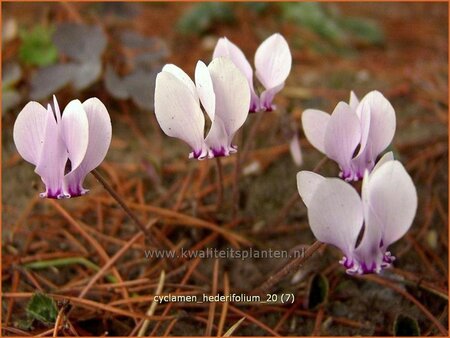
(225, 90)
(66, 147)
(354, 135)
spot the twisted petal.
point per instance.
(307, 183)
(390, 195)
(232, 101)
(178, 112)
(335, 214)
(315, 123)
(342, 136)
(205, 89)
(100, 131)
(52, 160)
(29, 131)
(225, 48)
(381, 128)
(74, 131)
(273, 61)
(57, 111)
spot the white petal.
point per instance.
(29, 131)
(205, 89)
(307, 183)
(389, 156)
(335, 214)
(218, 139)
(56, 109)
(354, 101)
(232, 95)
(225, 48)
(364, 114)
(273, 61)
(267, 96)
(74, 131)
(53, 158)
(392, 198)
(382, 121)
(100, 132)
(181, 75)
(315, 124)
(178, 111)
(342, 136)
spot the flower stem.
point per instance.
(290, 266)
(240, 159)
(219, 183)
(121, 202)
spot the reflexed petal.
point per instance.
(178, 111)
(181, 75)
(29, 131)
(307, 183)
(52, 162)
(342, 136)
(217, 139)
(364, 115)
(205, 89)
(273, 61)
(335, 214)
(57, 111)
(354, 101)
(392, 198)
(74, 130)
(315, 124)
(267, 96)
(382, 121)
(232, 96)
(100, 131)
(389, 156)
(369, 255)
(225, 48)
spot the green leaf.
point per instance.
(318, 291)
(202, 16)
(42, 308)
(24, 324)
(37, 47)
(406, 326)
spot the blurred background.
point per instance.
(113, 51)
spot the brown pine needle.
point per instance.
(152, 308)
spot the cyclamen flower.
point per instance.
(384, 213)
(224, 94)
(273, 61)
(369, 125)
(64, 148)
